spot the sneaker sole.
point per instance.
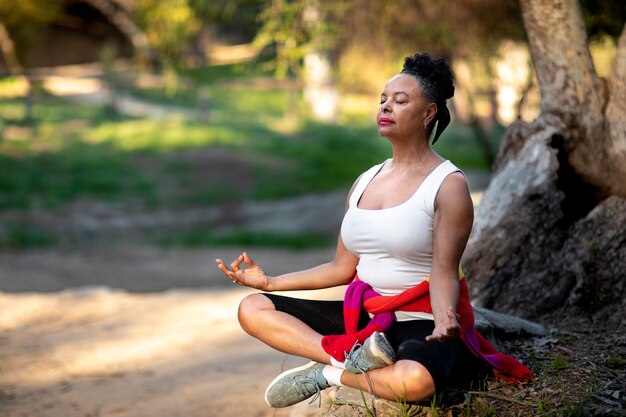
(288, 372)
(377, 351)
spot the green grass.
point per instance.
(217, 73)
(70, 151)
(614, 360)
(204, 236)
(18, 236)
(49, 179)
(559, 362)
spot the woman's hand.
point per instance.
(446, 330)
(253, 276)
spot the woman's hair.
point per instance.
(436, 79)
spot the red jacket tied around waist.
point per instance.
(415, 299)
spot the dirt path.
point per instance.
(101, 350)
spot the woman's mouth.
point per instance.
(383, 121)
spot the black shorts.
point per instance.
(449, 363)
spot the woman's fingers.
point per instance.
(229, 274)
(234, 272)
(235, 264)
(221, 265)
(248, 260)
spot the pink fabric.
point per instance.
(360, 294)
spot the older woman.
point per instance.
(406, 324)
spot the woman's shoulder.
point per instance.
(454, 190)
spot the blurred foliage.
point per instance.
(203, 236)
(604, 17)
(73, 151)
(18, 236)
(168, 24)
(230, 16)
(347, 31)
(352, 32)
(25, 19)
(360, 30)
(295, 27)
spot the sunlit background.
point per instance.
(144, 105)
(137, 135)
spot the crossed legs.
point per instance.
(258, 317)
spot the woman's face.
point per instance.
(403, 111)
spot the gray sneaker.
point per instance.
(296, 385)
(375, 353)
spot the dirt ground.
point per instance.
(133, 331)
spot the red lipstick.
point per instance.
(383, 121)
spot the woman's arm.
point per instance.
(454, 216)
(337, 272)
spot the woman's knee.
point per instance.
(249, 309)
(417, 380)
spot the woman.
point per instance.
(406, 225)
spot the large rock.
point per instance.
(545, 245)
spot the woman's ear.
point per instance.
(430, 113)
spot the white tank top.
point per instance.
(394, 244)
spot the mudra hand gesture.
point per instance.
(252, 276)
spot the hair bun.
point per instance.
(435, 72)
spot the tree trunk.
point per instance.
(7, 49)
(548, 237)
(120, 18)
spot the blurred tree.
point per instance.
(353, 32)
(121, 18)
(550, 231)
(603, 17)
(23, 22)
(169, 25)
(20, 26)
(224, 17)
(296, 29)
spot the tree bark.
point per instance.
(571, 90)
(122, 20)
(546, 237)
(7, 49)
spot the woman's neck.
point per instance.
(413, 153)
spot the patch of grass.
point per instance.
(320, 157)
(575, 399)
(18, 236)
(159, 136)
(73, 151)
(215, 73)
(203, 236)
(559, 362)
(614, 360)
(565, 338)
(49, 179)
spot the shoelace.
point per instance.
(299, 382)
(353, 355)
(356, 353)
